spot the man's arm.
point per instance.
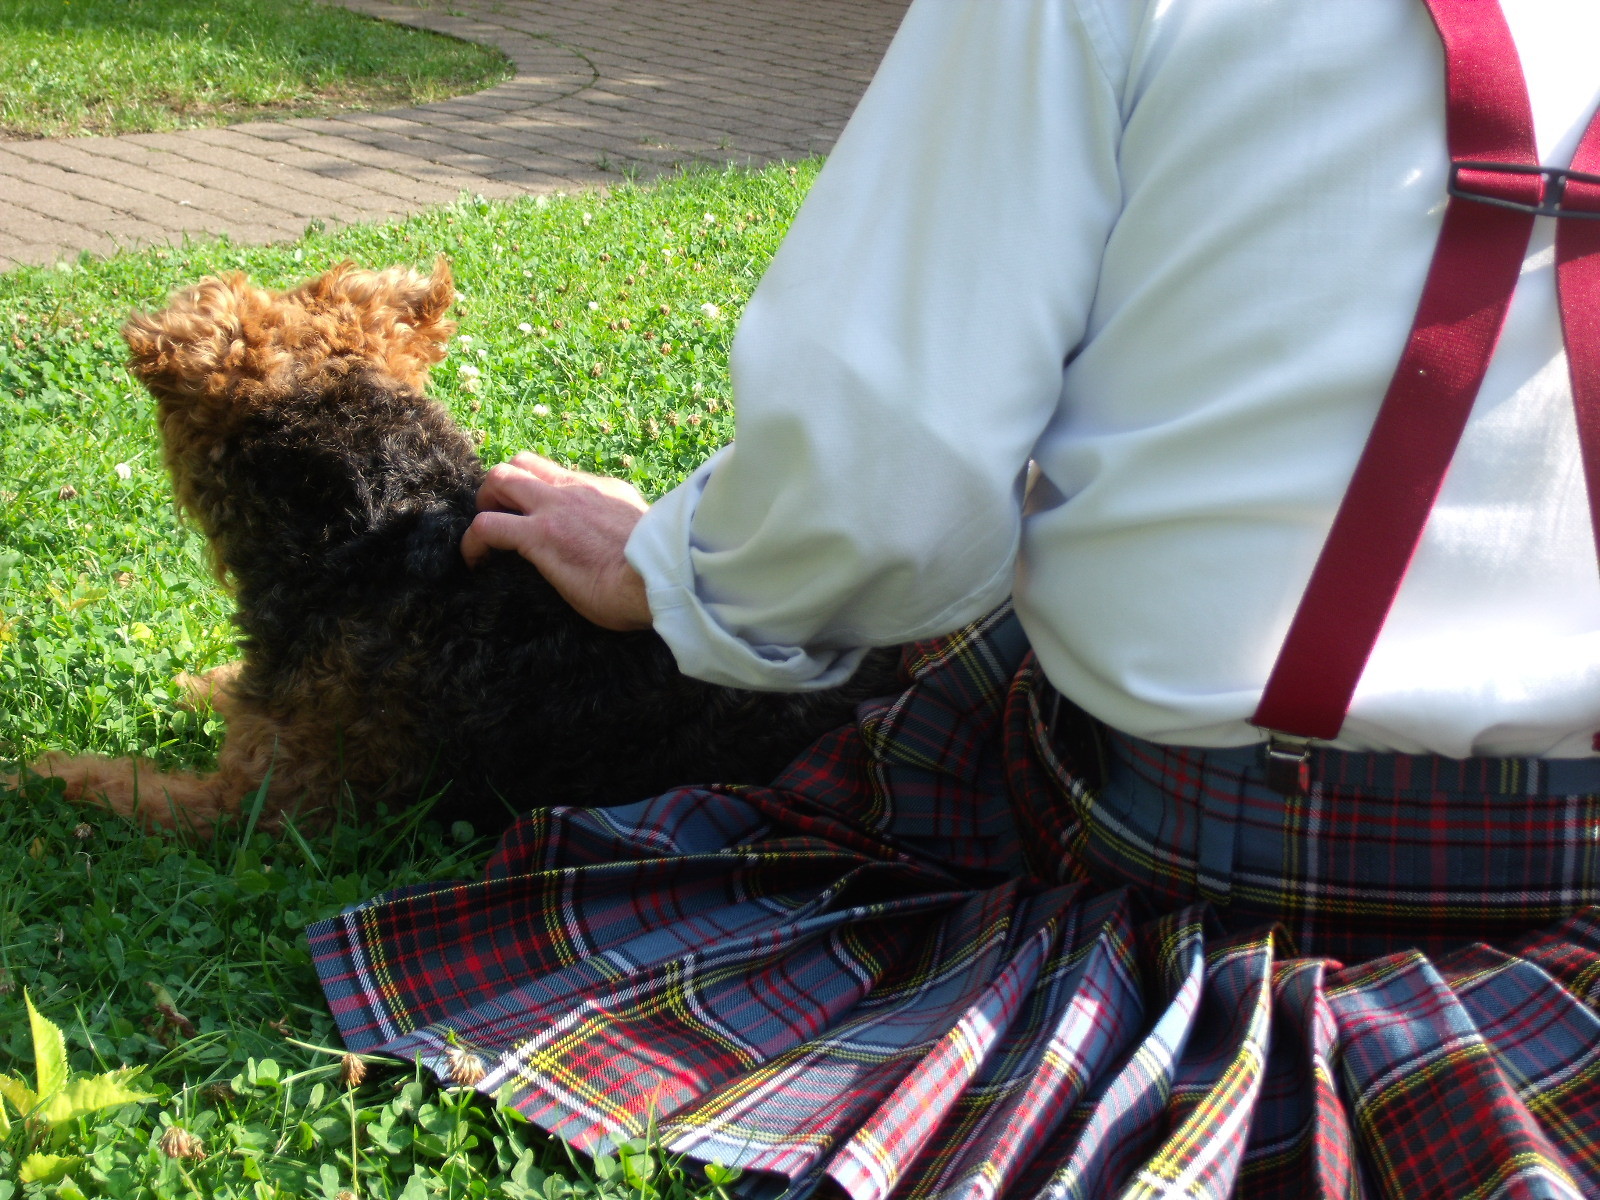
(902, 355)
(891, 374)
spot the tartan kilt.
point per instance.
(852, 976)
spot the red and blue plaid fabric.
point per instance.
(849, 976)
(1384, 852)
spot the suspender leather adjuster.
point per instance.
(1480, 181)
(1287, 763)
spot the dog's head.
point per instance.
(224, 344)
(225, 349)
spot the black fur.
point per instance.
(338, 513)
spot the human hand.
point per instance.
(573, 527)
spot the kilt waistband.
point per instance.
(1385, 851)
(1386, 771)
(1421, 773)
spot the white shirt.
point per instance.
(1170, 250)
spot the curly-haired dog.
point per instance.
(334, 494)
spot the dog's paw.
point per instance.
(209, 690)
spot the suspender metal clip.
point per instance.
(1481, 185)
(1287, 762)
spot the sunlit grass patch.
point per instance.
(70, 67)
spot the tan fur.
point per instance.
(210, 689)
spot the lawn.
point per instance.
(593, 329)
(73, 67)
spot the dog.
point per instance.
(333, 494)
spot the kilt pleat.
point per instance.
(850, 976)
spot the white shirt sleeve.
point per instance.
(901, 356)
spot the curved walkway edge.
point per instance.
(602, 90)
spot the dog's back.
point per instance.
(351, 498)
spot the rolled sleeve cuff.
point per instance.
(703, 646)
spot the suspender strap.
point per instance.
(1497, 187)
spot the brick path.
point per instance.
(601, 88)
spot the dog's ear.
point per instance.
(426, 301)
(397, 316)
(430, 303)
(202, 343)
(421, 303)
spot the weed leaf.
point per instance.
(91, 1093)
(49, 1050)
(22, 1098)
(46, 1168)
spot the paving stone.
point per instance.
(226, 137)
(46, 150)
(35, 228)
(123, 150)
(34, 254)
(59, 204)
(475, 155)
(272, 131)
(534, 178)
(211, 189)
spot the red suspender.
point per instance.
(1497, 188)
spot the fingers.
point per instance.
(515, 485)
(579, 550)
(493, 531)
(543, 468)
(509, 487)
(522, 484)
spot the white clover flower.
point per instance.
(587, 217)
(472, 386)
(594, 305)
(466, 338)
(710, 218)
(123, 470)
(525, 327)
(541, 410)
(483, 352)
(468, 371)
(711, 311)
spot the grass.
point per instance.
(73, 67)
(593, 329)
